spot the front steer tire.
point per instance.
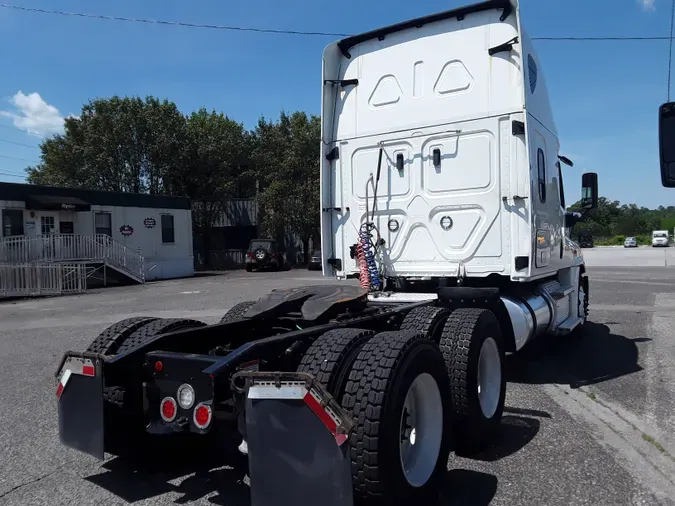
(468, 333)
(376, 396)
(330, 358)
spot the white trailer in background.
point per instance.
(660, 238)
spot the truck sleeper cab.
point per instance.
(441, 166)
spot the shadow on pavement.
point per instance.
(596, 355)
(192, 477)
(462, 487)
(515, 433)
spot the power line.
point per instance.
(670, 47)
(19, 144)
(275, 31)
(170, 23)
(19, 158)
(9, 127)
(9, 174)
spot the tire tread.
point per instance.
(365, 396)
(155, 328)
(328, 353)
(236, 312)
(108, 341)
(428, 320)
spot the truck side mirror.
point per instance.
(667, 144)
(589, 190)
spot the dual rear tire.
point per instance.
(414, 395)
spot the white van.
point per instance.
(660, 238)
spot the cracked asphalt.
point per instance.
(591, 422)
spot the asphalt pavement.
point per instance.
(591, 422)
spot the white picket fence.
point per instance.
(37, 279)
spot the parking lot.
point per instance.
(587, 423)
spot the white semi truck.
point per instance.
(441, 179)
(441, 190)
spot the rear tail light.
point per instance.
(202, 416)
(168, 409)
(250, 255)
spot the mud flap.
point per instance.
(79, 393)
(297, 437)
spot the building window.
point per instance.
(12, 222)
(541, 169)
(103, 224)
(168, 234)
(47, 225)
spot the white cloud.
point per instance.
(34, 115)
(648, 5)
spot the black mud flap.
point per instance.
(79, 393)
(297, 438)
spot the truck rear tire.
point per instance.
(473, 348)
(155, 328)
(428, 320)
(330, 358)
(124, 436)
(398, 389)
(236, 312)
(108, 341)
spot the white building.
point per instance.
(144, 237)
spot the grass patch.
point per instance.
(591, 396)
(653, 442)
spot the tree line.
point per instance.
(130, 144)
(612, 219)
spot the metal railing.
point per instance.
(222, 259)
(35, 279)
(70, 248)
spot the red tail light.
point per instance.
(202, 416)
(168, 409)
(250, 255)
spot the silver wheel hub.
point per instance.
(421, 430)
(489, 377)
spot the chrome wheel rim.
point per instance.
(421, 430)
(489, 377)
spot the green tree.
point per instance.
(216, 150)
(117, 144)
(286, 159)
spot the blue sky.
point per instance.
(605, 95)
